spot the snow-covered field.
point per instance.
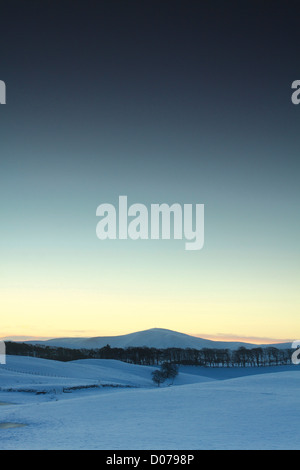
(106, 404)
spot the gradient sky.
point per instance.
(162, 101)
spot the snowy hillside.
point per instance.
(155, 337)
(258, 411)
(37, 375)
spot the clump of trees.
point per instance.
(206, 357)
(167, 371)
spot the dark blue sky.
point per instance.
(164, 101)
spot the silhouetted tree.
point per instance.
(169, 371)
(158, 377)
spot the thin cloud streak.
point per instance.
(244, 339)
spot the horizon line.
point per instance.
(216, 337)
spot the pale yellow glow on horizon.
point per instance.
(67, 313)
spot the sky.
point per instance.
(166, 102)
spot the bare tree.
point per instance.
(158, 377)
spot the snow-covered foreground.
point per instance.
(259, 411)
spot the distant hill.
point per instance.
(159, 338)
